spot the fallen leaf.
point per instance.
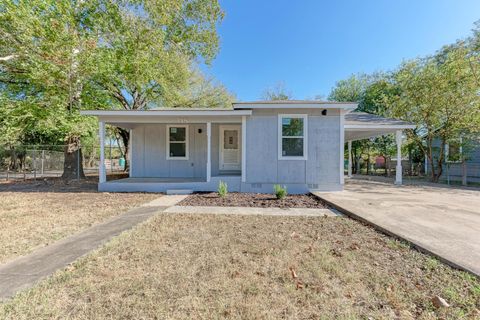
(294, 235)
(439, 302)
(294, 274)
(336, 252)
(310, 249)
(354, 246)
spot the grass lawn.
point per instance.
(36, 213)
(250, 267)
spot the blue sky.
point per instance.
(310, 44)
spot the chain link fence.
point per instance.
(23, 162)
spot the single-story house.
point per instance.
(251, 146)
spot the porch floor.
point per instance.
(157, 180)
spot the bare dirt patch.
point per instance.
(251, 267)
(257, 200)
(34, 214)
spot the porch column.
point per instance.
(209, 151)
(398, 173)
(130, 152)
(244, 148)
(101, 168)
(349, 159)
(342, 147)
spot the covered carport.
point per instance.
(361, 125)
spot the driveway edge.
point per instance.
(387, 232)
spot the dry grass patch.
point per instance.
(251, 267)
(35, 214)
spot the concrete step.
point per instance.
(179, 191)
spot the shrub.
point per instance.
(279, 191)
(222, 189)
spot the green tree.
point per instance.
(44, 61)
(369, 91)
(61, 56)
(278, 92)
(440, 95)
(147, 54)
(350, 89)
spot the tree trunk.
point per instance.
(385, 164)
(464, 172)
(125, 135)
(73, 164)
(357, 165)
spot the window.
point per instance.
(454, 150)
(177, 142)
(292, 137)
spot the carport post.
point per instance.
(398, 173)
(101, 168)
(349, 158)
(209, 151)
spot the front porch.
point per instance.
(148, 184)
(179, 150)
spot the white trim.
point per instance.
(209, 151)
(221, 129)
(460, 151)
(149, 113)
(244, 149)
(130, 153)
(349, 158)
(342, 147)
(168, 157)
(304, 137)
(398, 173)
(293, 105)
(102, 176)
(386, 126)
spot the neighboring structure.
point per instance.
(461, 161)
(252, 146)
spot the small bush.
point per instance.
(279, 191)
(222, 189)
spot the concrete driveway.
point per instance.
(444, 221)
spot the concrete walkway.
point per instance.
(442, 221)
(25, 271)
(304, 212)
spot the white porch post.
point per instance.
(398, 174)
(342, 147)
(244, 148)
(209, 151)
(130, 152)
(101, 168)
(350, 159)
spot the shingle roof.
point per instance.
(292, 102)
(363, 118)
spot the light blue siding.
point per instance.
(320, 171)
(455, 170)
(149, 153)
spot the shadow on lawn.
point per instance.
(56, 185)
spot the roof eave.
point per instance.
(345, 106)
(164, 113)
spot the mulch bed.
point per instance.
(258, 200)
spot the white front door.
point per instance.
(230, 142)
